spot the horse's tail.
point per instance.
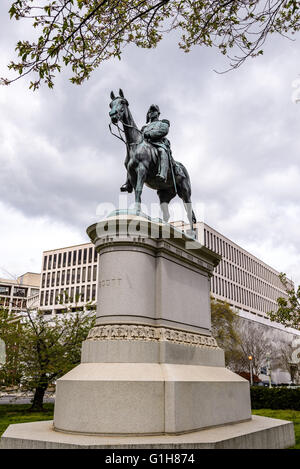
(187, 184)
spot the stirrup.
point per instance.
(161, 178)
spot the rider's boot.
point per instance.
(127, 187)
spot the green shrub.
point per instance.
(275, 398)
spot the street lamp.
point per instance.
(250, 358)
(269, 369)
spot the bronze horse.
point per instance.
(142, 164)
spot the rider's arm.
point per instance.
(160, 130)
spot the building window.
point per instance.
(93, 292)
(59, 261)
(4, 290)
(69, 258)
(90, 255)
(77, 295)
(74, 257)
(64, 259)
(54, 261)
(83, 274)
(95, 255)
(84, 256)
(82, 294)
(94, 273)
(78, 275)
(57, 278)
(63, 273)
(88, 293)
(79, 256)
(45, 263)
(73, 275)
(50, 262)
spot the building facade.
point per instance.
(69, 278)
(20, 294)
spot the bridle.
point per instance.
(121, 130)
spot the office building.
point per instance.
(20, 294)
(68, 278)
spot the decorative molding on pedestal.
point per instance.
(156, 334)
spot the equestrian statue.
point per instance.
(149, 158)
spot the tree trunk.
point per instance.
(38, 399)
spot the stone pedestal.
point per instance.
(150, 367)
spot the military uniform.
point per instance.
(155, 132)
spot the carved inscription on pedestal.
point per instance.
(110, 282)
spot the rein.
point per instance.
(115, 135)
(121, 130)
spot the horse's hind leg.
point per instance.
(189, 212)
(185, 195)
(164, 197)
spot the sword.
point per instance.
(172, 171)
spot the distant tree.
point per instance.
(255, 342)
(11, 368)
(47, 348)
(224, 321)
(82, 34)
(288, 311)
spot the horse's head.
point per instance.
(118, 107)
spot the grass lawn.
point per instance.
(292, 415)
(19, 413)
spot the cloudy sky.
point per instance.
(237, 134)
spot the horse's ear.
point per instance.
(121, 93)
(112, 95)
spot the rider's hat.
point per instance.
(153, 107)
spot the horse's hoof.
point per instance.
(126, 188)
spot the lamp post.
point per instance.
(269, 369)
(250, 357)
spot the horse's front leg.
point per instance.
(140, 179)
